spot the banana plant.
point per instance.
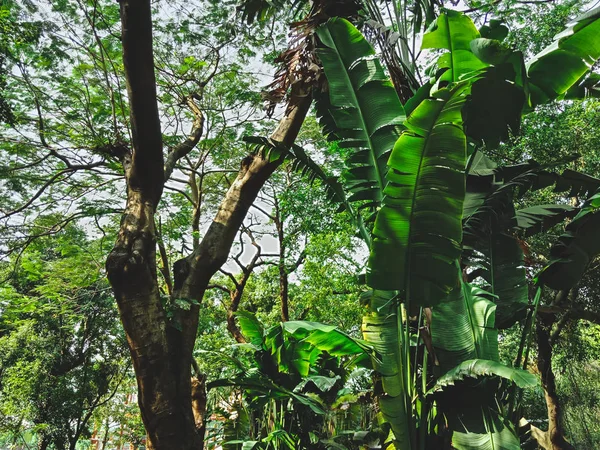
(298, 376)
(575, 249)
(465, 340)
(418, 233)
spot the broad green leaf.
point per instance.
(587, 86)
(561, 65)
(536, 219)
(490, 51)
(476, 368)
(380, 329)
(463, 327)
(322, 383)
(479, 426)
(466, 344)
(506, 276)
(453, 31)
(325, 338)
(362, 110)
(251, 328)
(494, 109)
(495, 30)
(418, 230)
(575, 248)
(255, 382)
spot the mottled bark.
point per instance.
(199, 404)
(161, 353)
(131, 266)
(554, 438)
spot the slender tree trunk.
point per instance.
(283, 281)
(232, 327)
(199, 404)
(43, 443)
(193, 273)
(283, 274)
(554, 438)
(106, 433)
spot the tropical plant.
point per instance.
(480, 91)
(297, 384)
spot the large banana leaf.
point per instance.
(466, 344)
(491, 222)
(560, 66)
(453, 31)
(535, 219)
(381, 328)
(476, 368)
(296, 345)
(362, 111)
(463, 327)
(575, 249)
(418, 230)
(506, 277)
(257, 385)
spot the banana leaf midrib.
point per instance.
(451, 45)
(380, 178)
(407, 274)
(471, 321)
(492, 260)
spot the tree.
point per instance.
(83, 148)
(123, 139)
(62, 347)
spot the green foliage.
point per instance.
(418, 233)
(453, 31)
(63, 353)
(424, 194)
(575, 249)
(362, 112)
(301, 369)
(558, 67)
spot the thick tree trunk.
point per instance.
(162, 354)
(554, 438)
(131, 266)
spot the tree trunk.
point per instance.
(232, 327)
(283, 275)
(131, 266)
(554, 438)
(161, 353)
(199, 404)
(43, 443)
(106, 433)
(193, 273)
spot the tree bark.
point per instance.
(131, 266)
(199, 404)
(162, 353)
(283, 274)
(193, 273)
(554, 438)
